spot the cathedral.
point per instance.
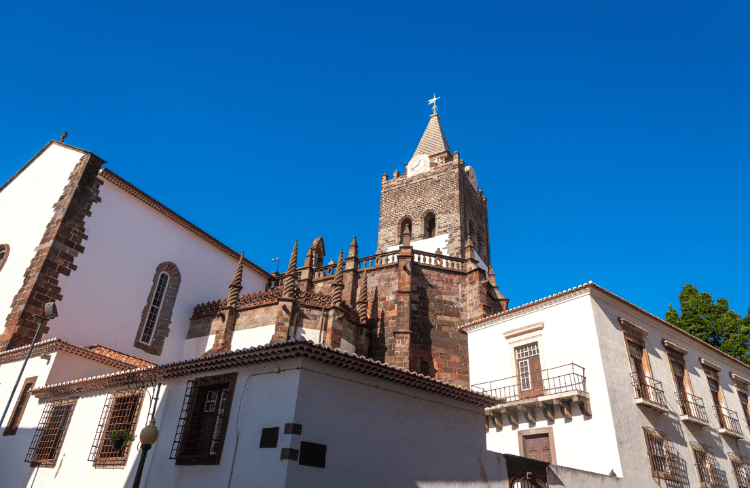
(148, 332)
(401, 306)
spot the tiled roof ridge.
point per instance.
(433, 140)
(54, 344)
(120, 356)
(259, 354)
(128, 187)
(591, 284)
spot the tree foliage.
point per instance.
(712, 322)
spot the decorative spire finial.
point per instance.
(338, 280)
(236, 286)
(433, 101)
(291, 274)
(362, 300)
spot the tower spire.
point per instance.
(433, 140)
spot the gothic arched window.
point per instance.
(157, 314)
(405, 224)
(429, 225)
(4, 251)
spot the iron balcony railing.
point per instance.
(649, 389)
(728, 419)
(568, 377)
(692, 406)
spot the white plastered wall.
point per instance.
(103, 299)
(629, 418)
(26, 209)
(568, 336)
(59, 367)
(356, 416)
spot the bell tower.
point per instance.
(437, 199)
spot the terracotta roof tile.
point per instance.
(114, 359)
(120, 356)
(264, 354)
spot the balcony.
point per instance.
(692, 409)
(522, 395)
(729, 424)
(649, 393)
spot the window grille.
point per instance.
(527, 351)
(23, 400)
(203, 420)
(678, 369)
(713, 385)
(50, 434)
(153, 312)
(705, 463)
(635, 351)
(661, 455)
(120, 412)
(741, 470)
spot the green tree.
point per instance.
(712, 322)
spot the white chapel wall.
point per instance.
(25, 210)
(104, 298)
(568, 336)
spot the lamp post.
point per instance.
(50, 312)
(148, 436)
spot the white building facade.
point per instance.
(281, 415)
(592, 382)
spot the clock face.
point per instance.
(418, 164)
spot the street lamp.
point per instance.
(50, 312)
(148, 436)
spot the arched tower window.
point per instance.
(157, 314)
(429, 225)
(424, 368)
(405, 224)
(4, 251)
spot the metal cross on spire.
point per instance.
(433, 101)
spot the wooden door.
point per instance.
(713, 385)
(636, 365)
(529, 370)
(537, 447)
(678, 373)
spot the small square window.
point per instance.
(311, 454)
(269, 438)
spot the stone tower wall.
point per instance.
(435, 191)
(474, 205)
(446, 191)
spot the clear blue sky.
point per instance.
(611, 138)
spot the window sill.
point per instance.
(730, 433)
(653, 405)
(694, 420)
